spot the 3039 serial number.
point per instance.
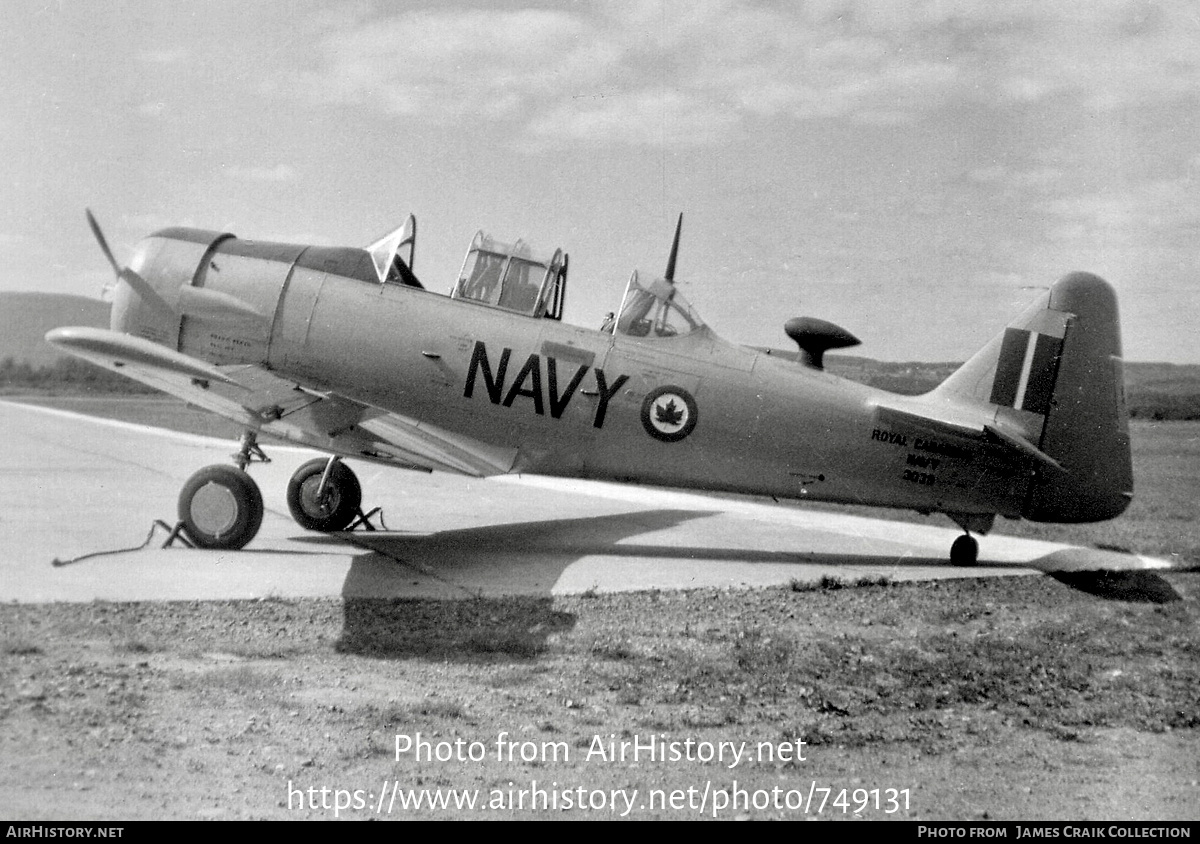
(922, 478)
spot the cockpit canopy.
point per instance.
(510, 277)
(387, 254)
(655, 309)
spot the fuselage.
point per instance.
(558, 399)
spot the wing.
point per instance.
(262, 401)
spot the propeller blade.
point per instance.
(670, 274)
(101, 240)
(143, 289)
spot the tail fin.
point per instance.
(1056, 375)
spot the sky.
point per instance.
(915, 172)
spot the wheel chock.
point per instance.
(174, 533)
(364, 519)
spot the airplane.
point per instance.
(344, 350)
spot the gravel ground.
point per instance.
(1016, 698)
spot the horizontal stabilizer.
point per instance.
(983, 434)
(892, 416)
(1018, 442)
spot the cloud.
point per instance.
(633, 71)
(999, 279)
(1039, 178)
(446, 65)
(1109, 55)
(278, 173)
(13, 239)
(638, 117)
(1151, 213)
(144, 222)
(162, 57)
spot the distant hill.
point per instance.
(914, 377)
(909, 377)
(1152, 390)
(1169, 378)
(26, 317)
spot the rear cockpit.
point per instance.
(510, 277)
(656, 309)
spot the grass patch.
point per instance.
(230, 680)
(20, 648)
(1126, 668)
(135, 647)
(483, 629)
(829, 583)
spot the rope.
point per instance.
(174, 533)
(56, 562)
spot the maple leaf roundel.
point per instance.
(669, 413)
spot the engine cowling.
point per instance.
(204, 293)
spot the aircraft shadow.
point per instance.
(530, 557)
(1142, 587)
(387, 608)
(395, 592)
(1109, 573)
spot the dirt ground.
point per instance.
(1020, 698)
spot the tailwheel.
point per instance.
(964, 551)
(220, 507)
(324, 495)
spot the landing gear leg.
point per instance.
(249, 451)
(964, 551)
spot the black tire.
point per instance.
(220, 507)
(342, 498)
(964, 551)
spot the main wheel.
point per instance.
(964, 551)
(220, 507)
(338, 504)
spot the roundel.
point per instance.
(669, 414)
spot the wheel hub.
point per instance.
(318, 505)
(214, 509)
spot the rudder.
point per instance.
(1087, 423)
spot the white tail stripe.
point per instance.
(1026, 367)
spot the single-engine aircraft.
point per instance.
(346, 351)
